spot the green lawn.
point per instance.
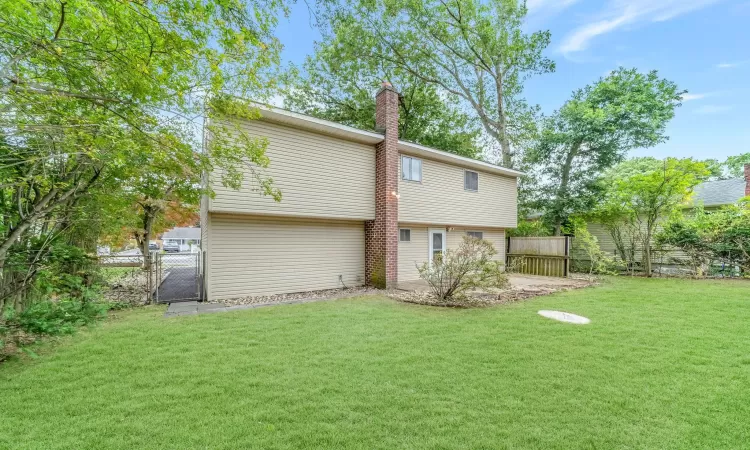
(664, 364)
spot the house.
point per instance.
(183, 236)
(359, 207)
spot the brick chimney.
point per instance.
(747, 180)
(381, 234)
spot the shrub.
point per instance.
(585, 243)
(467, 268)
(530, 228)
(54, 318)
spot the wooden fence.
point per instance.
(548, 256)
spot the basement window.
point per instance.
(471, 181)
(404, 235)
(475, 234)
(411, 168)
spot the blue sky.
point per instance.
(702, 45)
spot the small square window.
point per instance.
(471, 180)
(475, 234)
(411, 168)
(405, 235)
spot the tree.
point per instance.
(646, 191)
(341, 90)
(593, 131)
(475, 51)
(103, 93)
(735, 165)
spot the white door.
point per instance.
(437, 243)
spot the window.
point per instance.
(411, 168)
(471, 180)
(475, 234)
(405, 235)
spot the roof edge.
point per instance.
(306, 122)
(442, 155)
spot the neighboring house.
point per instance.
(710, 194)
(183, 236)
(358, 207)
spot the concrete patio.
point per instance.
(517, 282)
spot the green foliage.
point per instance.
(530, 228)
(342, 90)
(473, 51)
(640, 193)
(467, 268)
(103, 112)
(712, 237)
(736, 165)
(593, 131)
(52, 318)
(586, 250)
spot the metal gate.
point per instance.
(179, 277)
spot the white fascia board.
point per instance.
(305, 122)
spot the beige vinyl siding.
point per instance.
(417, 250)
(254, 255)
(497, 237)
(607, 244)
(319, 176)
(412, 253)
(440, 198)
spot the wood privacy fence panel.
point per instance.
(547, 256)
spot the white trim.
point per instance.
(430, 232)
(475, 231)
(305, 122)
(411, 161)
(471, 190)
(399, 234)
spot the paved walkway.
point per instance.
(192, 308)
(182, 284)
(517, 281)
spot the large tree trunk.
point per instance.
(562, 193)
(647, 251)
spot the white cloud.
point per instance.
(712, 109)
(688, 97)
(618, 14)
(730, 65)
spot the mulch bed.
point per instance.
(479, 300)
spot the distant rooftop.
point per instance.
(721, 192)
(183, 233)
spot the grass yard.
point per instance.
(664, 364)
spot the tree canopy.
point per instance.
(642, 192)
(474, 51)
(342, 90)
(109, 95)
(591, 132)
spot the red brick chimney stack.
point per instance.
(747, 180)
(381, 234)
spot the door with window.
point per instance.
(437, 244)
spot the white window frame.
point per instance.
(467, 189)
(430, 232)
(399, 234)
(411, 158)
(468, 233)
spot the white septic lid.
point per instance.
(564, 317)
